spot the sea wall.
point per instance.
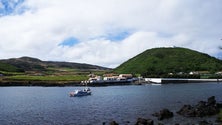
(173, 80)
(153, 80)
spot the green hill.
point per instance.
(32, 71)
(169, 60)
(32, 64)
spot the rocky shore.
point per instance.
(202, 109)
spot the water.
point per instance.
(124, 104)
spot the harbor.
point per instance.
(128, 79)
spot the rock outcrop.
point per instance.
(142, 121)
(163, 114)
(202, 109)
(113, 123)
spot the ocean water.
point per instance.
(124, 104)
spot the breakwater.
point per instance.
(174, 80)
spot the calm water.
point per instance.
(124, 104)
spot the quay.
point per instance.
(176, 80)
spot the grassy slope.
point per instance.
(33, 64)
(48, 78)
(8, 68)
(31, 69)
(166, 60)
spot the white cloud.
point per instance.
(39, 31)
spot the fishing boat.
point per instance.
(78, 93)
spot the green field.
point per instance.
(47, 78)
(52, 74)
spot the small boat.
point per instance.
(78, 93)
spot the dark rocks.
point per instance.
(142, 121)
(163, 114)
(219, 105)
(187, 111)
(204, 122)
(211, 100)
(202, 109)
(113, 123)
(160, 124)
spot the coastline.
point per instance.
(58, 83)
(5, 83)
(39, 83)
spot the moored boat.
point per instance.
(78, 93)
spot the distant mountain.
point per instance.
(32, 64)
(169, 60)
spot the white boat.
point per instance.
(83, 92)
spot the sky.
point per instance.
(107, 32)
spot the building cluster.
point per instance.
(108, 78)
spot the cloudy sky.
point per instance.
(107, 32)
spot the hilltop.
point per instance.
(169, 60)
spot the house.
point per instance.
(127, 76)
(110, 78)
(109, 75)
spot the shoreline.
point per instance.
(5, 83)
(56, 83)
(39, 83)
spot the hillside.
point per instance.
(8, 68)
(32, 64)
(27, 71)
(169, 60)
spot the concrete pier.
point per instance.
(175, 80)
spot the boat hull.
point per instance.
(79, 93)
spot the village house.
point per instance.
(110, 77)
(96, 78)
(127, 76)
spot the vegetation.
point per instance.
(162, 61)
(8, 68)
(32, 64)
(47, 78)
(31, 71)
